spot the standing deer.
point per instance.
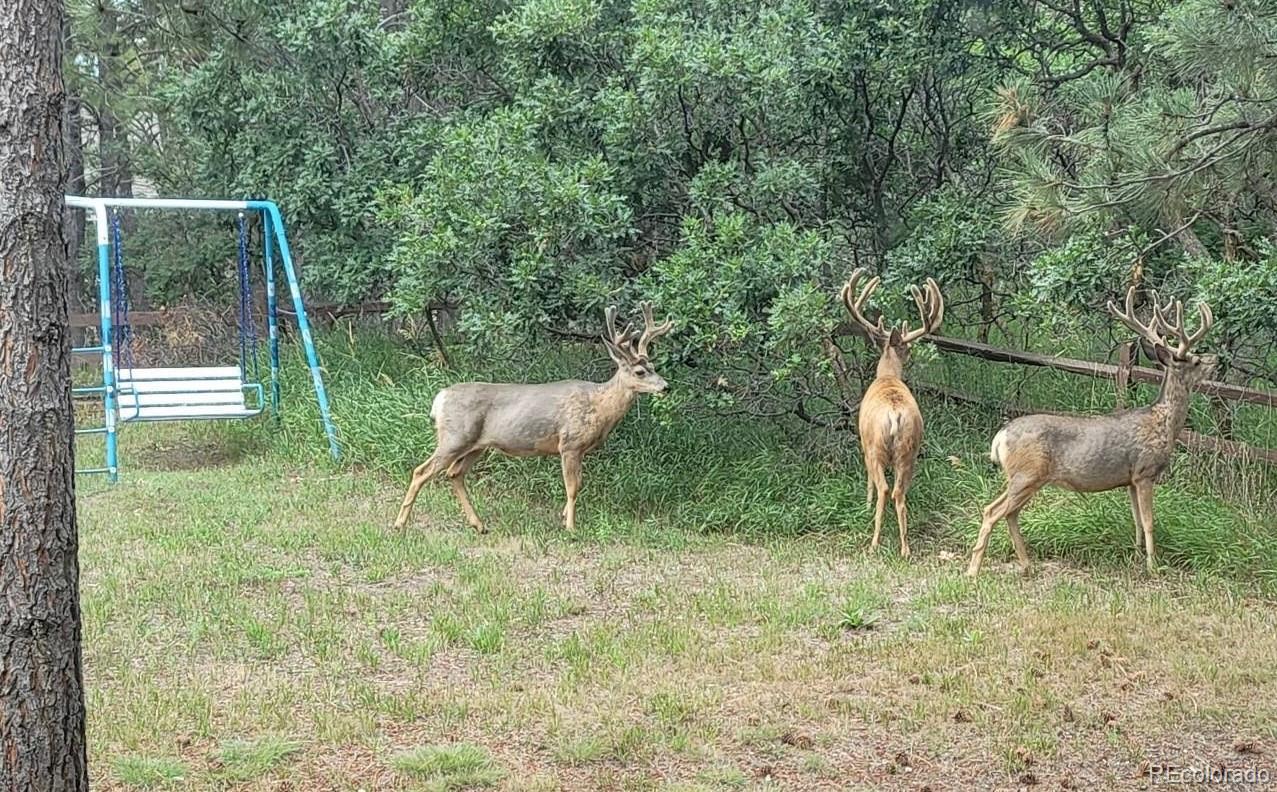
(1095, 453)
(569, 418)
(889, 421)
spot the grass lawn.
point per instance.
(255, 624)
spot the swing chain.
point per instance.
(120, 306)
(247, 327)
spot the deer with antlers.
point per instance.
(1128, 449)
(890, 423)
(569, 418)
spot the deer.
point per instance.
(1129, 448)
(568, 418)
(889, 421)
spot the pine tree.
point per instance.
(1174, 138)
(41, 680)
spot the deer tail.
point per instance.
(998, 449)
(891, 428)
(436, 407)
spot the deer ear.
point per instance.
(1163, 354)
(895, 339)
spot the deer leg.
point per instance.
(991, 514)
(879, 478)
(572, 484)
(869, 483)
(1008, 503)
(1018, 495)
(1135, 516)
(1144, 498)
(898, 493)
(423, 473)
(457, 475)
(1017, 539)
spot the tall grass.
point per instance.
(709, 474)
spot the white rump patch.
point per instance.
(436, 407)
(997, 451)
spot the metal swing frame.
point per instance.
(191, 393)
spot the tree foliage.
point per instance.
(1162, 137)
(523, 164)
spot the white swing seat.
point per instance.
(184, 394)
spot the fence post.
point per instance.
(1124, 363)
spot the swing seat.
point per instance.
(185, 394)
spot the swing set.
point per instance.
(185, 393)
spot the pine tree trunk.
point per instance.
(116, 150)
(75, 220)
(74, 223)
(986, 275)
(113, 139)
(41, 683)
(394, 14)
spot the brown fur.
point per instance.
(568, 418)
(1128, 449)
(889, 421)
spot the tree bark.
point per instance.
(75, 220)
(986, 276)
(394, 14)
(115, 148)
(74, 224)
(1191, 243)
(113, 139)
(850, 393)
(1125, 361)
(42, 743)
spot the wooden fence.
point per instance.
(1123, 373)
(139, 318)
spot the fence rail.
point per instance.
(1122, 373)
(139, 318)
(1089, 368)
(334, 311)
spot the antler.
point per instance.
(854, 306)
(651, 330)
(621, 339)
(1150, 332)
(1159, 326)
(930, 307)
(1186, 341)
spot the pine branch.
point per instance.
(1215, 130)
(1212, 157)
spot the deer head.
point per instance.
(628, 348)
(1188, 368)
(895, 342)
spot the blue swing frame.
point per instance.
(275, 240)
